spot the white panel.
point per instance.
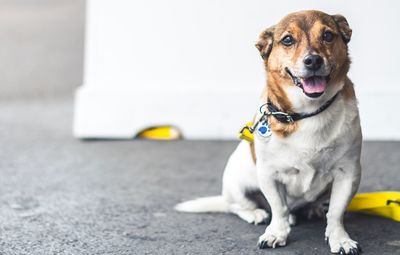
(199, 57)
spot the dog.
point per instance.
(307, 135)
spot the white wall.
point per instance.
(176, 56)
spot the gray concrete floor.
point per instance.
(59, 195)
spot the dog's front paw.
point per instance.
(274, 236)
(340, 242)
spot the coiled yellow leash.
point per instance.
(385, 204)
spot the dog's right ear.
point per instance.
(265, 42)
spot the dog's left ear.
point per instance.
(265, 42)
(343, 27)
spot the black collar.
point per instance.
(292, 117)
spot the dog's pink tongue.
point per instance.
(314, 85)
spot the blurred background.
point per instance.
(41, 48)
(177, 55)
(72, 69)
(199, 58)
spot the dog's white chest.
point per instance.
(304, 169)
(311, 172)
(307, 181)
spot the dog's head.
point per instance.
(306, 54)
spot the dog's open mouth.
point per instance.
(313, 86)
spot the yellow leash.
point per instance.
(246, 134)
(384, 204)
(160, 133)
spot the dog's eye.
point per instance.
(328, 36)
(287, 40)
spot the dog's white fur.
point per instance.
(291, 172)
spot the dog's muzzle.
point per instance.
(312, 86)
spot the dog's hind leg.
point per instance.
(249, 211)
(239, 177)
(256, 216)
(240, 185)
(245, 204)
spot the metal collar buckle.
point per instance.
(282, 116)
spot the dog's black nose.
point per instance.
(313, 62)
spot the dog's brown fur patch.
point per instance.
(348, 90)
(307, 28)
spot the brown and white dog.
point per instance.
(314, 154)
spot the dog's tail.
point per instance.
(204, 204)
